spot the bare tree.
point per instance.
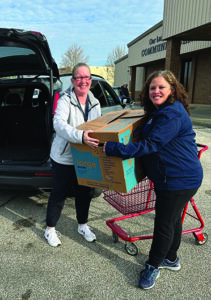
(117, 53)
(74, 55)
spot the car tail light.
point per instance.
(56, 98)
(37, 32)
(43, 174)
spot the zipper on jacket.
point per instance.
(64, 149)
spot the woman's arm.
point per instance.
(163, 131)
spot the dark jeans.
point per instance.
(168, 224)
(64, 178)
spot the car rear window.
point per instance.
(19, 60)
(14, 51)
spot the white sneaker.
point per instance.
(86, 232)
(51, 237)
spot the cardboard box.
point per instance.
(94, 168)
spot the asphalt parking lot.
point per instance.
(30, 269)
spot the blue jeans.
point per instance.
(168, 224)
(64, 179)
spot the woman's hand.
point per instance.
(91, 142)
(104, 147)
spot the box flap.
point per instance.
(112, 121)
(102, 121)
(111, 116)
(134, 114)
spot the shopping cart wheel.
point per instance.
(115, 237)
(131, 248)
(201, 239)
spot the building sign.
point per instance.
(185, 42)
(153, 48)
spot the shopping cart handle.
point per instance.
(204, 148)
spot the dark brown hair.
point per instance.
(178, 91)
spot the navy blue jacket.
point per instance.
(168, 149)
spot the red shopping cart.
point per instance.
(141, 200)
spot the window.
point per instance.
(111, 96)
(14, 51)
(98, 93)
(186, 73)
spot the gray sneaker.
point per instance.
(170, 265)
(86, 232)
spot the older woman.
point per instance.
(76, 106)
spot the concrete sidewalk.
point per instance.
(201, 114)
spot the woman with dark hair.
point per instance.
(169, 153)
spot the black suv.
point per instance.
(29, 89)
(29, 83)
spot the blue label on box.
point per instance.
(128, 164)
(129, 172)
(86, 165)
(125, 137)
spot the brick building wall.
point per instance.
(202, 81)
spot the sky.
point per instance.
(96, 26)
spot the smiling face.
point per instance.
(81, 81)
(159, 91)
